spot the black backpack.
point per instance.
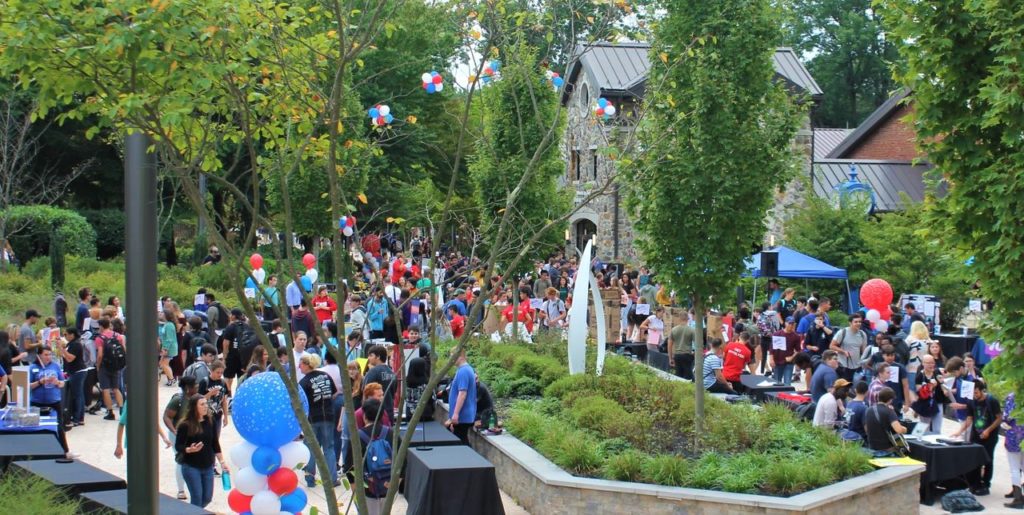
(198, 340)
(245, 341)
(222, 315)
(113, 353)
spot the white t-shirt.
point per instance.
(827, 411)
(334, 371)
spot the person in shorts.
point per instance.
(107, 372)
(233, 366)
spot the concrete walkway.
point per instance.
(95, 443)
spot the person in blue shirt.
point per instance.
(462, 399)
(825, 375)
(377, 309)
(46, 382)
(807, 322)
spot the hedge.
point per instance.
(36, 223)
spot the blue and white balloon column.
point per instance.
(266, 482)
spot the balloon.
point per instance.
(876, 293)
(881, 326)
(342, 222)
(385, 110)
(249, 283)
(438, 87)
(430, 87)
(347, 231)
(294, 454)
(873, 315)
(373, 112)
(295, 501)
(351, 221)
(262, 411)
(438, 79)
(313, 275)
(241, 455)
(250, 482)
(599, 111)
(266, 503)
(610, 110)
(307, 284)
(266, 460)
(256, 261)
(603, 102)
(260, 275)
(283, 481)
(238, 502)
(426, 77)
(389, 118)
(309, 260)
(381, 120)
(558, 81)
(886, 314)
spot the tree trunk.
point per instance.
(56, 259)
(698, 371)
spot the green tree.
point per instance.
(850, 56)
(718, 140)
(963, 66)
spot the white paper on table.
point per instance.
(767, 382)
(967, 390)
(975, 305)
(250, 293)
(643, 309)
(779, 343)
(200, 299)
(894, 374)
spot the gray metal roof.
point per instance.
(825, 140)
(620, 69)
(868, 126)
(888, 179)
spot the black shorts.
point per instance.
(233, 365)
(109, 379)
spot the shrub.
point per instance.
(613, 446)
(579, 454)
(568, 384)
(544, 369)
(666, 469)
(38, 222)
(845, 461)
(109, 227)
(215, 276)
(527, 424)
(524, 386)
(599, 414)
(507, 355)
(626, 466)
(24, 494)
(787, 476)
(744, 473)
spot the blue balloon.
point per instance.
(431, 88)
(602, 102)
(307, 283)
(373, 112)
(495, 65)
(389, 118)
(558, 82)
(294, 502)
(266, 460)
(262, 411)
(341, 223)
(433, 74)
(249, 283)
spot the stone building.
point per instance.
(618, 73)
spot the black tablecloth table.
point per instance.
(945, 462)
(73, 478)
(116, 501)
(754, 388)
(637, 349)
(33, 446)
(451, 480)
(432, 434)
(659, 360)
(792, 405)
(956, 344)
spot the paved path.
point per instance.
(96, 439)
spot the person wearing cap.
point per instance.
(458, 302)
(830, 408)
(28, 343)
(849, 343)
(785, 344)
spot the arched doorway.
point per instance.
(585, 231)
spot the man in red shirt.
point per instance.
(738, 356)
(525, 311)
(457, 323)
(324, 306)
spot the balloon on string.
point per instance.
(262, 411)
(250, 482)
(342, 222)
(558, 82)
(313, 275)
(307, 284)
(609, 110)
(241, 454)
(882, 326)
(266, 460)
(876, 294)
(388, 119)
(260, 275)
(249, 283)
(283, 481)
(350, 221)
(426, 77)
(873, 315)
(347, 231)
(294, 502)
(373, 112)
(256, 261)
(309, 260)
(603, 102)
(266, 503)
(294, 454)
(384, 110)
(239, 502)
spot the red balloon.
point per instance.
(876, 294)
(256, 261)
(599, 111)
(886, 314)
(309, 260)
(438, 79)
(239, 502)
(282, 481)
(350, 221)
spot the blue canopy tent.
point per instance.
(794, 265)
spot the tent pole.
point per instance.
(849, 299)
(754, 303)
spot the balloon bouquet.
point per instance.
(308, 280)
(432, 82)
(876, 295)
(347, 225)
(267, 482)
(556, 81)
(604, 109)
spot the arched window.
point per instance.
(584, 96)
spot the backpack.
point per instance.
(198, 340)
(113, 353)
(767, 324)
(245, 341)
(377, 463)
(222, 315)
(193, 368)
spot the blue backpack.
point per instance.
(377, 463)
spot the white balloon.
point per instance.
(293, 454)
(249, 482)
(260, 274)
(313, 275)
(384, 110)
(265, 502)
(426, 77)
(881, 326)
(610, 110)
(873, 315)
(241, 455)
(347, 231)
(439, 87)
